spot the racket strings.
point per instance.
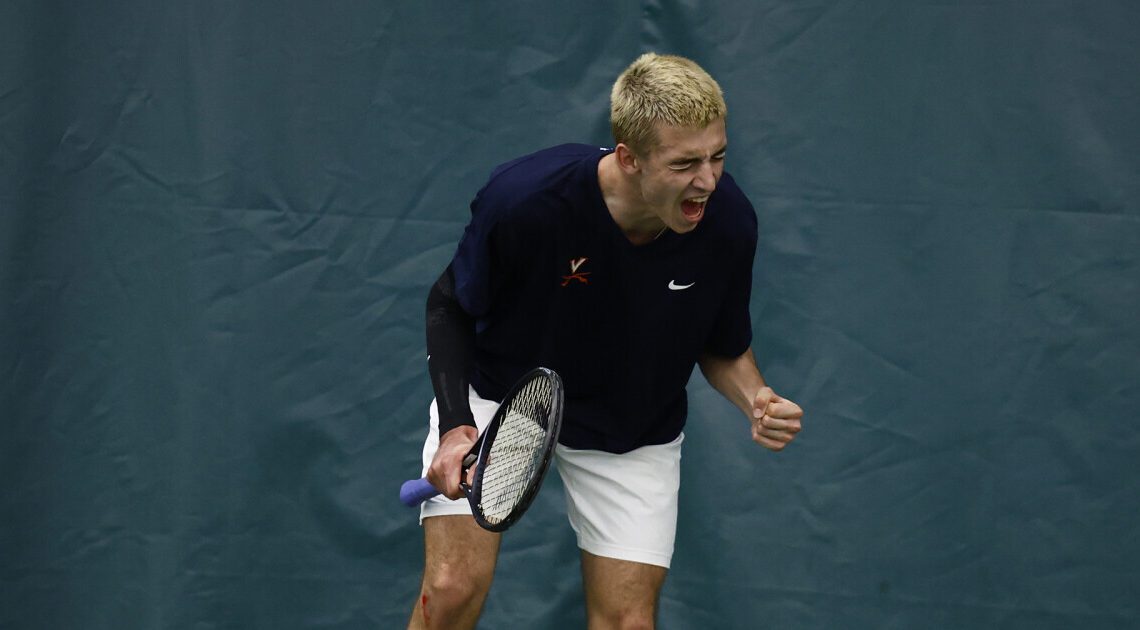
(517, 453)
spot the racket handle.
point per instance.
(416, 491)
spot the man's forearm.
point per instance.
(451, 354)
(736, 378)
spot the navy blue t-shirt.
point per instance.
(552, 281)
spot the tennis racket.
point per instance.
(512, 455)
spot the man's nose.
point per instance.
(705, 178)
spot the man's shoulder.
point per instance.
(534, 168)
(538, 179)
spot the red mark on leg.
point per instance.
(423, 606)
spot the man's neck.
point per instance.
(624, 202)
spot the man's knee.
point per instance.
(450, 598)
(456, 585)
(633, 617)
(458, 568)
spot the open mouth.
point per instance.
(693, 209)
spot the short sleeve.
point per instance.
(498, 240)
(473, 264)
(732, 334)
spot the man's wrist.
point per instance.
(445, 426)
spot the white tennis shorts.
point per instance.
(619, 506)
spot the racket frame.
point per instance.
(478, 455)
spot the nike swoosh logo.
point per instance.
(679, 287)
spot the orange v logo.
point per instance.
(580, 276)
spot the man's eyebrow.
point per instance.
(688, 159)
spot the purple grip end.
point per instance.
(416, 491)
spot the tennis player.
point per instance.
(620, 268)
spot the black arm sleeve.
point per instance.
(451, 353)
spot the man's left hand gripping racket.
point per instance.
(512, 455)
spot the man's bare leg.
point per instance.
(459, 562)
(620, 593)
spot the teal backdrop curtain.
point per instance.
(219, 221)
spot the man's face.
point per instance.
(680, 173)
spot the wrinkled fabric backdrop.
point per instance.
(219, 221)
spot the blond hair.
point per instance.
(662, 89)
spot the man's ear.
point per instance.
(627, 160)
